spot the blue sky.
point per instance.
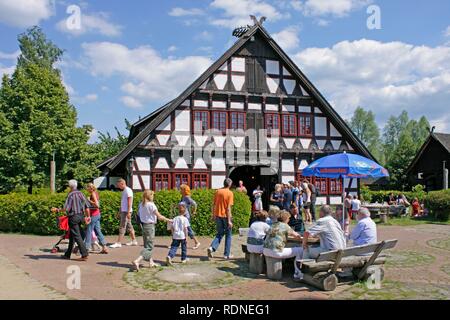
(128, 58)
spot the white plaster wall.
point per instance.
(320, 126)
(182, 120)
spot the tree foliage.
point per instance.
(39, 119)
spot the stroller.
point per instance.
(63, 224)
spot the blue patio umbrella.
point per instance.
(345, 165)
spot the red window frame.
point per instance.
(300, 178)
(289, 125)
(237, 120)
(270, 123)
(219, 121)
(159, 179)
(305, 125)
(179, 178)
(200, 180)
(321, 185)
(203, 117)
(335, 186)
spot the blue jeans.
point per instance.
(95, 226)
(174, 247)
(222, 230)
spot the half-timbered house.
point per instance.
(252, 87)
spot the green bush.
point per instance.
(438, 202)
(381, 196)
(31, 214)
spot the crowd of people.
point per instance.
(268, 233)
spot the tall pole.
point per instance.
(53, 174)
(445, 174)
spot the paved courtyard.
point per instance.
(418, 268)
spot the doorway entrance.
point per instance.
(252, 176)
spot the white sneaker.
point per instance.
(116, 245)
(185, 261)
(210, 252)
(228, 257)
(196, 246)
(169, 262)
(153, 264)
(132, 243)
(298, 275)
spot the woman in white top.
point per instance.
(307, 202)
(257, 233)
(148, 217)
(257, 193)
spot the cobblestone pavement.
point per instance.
(418, 268)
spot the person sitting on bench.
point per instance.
(328, 230)
(257, 233)
(365, 232)
(276, 239)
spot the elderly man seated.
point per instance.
(329, 232)
(365, 232)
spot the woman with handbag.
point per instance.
(94, 225)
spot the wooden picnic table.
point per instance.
(294, 242)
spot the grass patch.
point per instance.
(407, 221)
(408, 259)
(440, 243)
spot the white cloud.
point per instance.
(172, 49)
(91, 97)
(180, 12)
(25, 13)
(92, 23)
(9, 56)
(204, 36)
(131, 102)
(447, 32)
(288, 38)
(6, 70)
(146, 76)
(236, 13)
(384, 77)
(337, 8)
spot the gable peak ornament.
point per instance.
(240, 31)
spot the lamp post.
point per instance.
(53, 174)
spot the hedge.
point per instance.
(438, 202)
(381, 196)
(31, 214)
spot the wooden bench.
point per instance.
(364, 261)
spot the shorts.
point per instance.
(125, 224)
(307, 205)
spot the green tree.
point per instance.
(401, 140)
(364, 126)
(40, 119)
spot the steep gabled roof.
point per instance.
(169, 108)
(442, 138)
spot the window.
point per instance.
(300, 178)
(321, 185)
(179, 179)
(200, 180)
(237, 121)
(273, 124)
(161, 181)
(289, 126)
(219, 121)
(304, 125)
(335, 186)
(201, 121)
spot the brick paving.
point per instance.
(419, 263)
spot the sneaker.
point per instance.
(185, 261)
(210, 252)
(135, 265)
(298, 275)
(228, 257)
(169, 262)
(116, 245)
(132, 243)
(196, 246)
(153, 264)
